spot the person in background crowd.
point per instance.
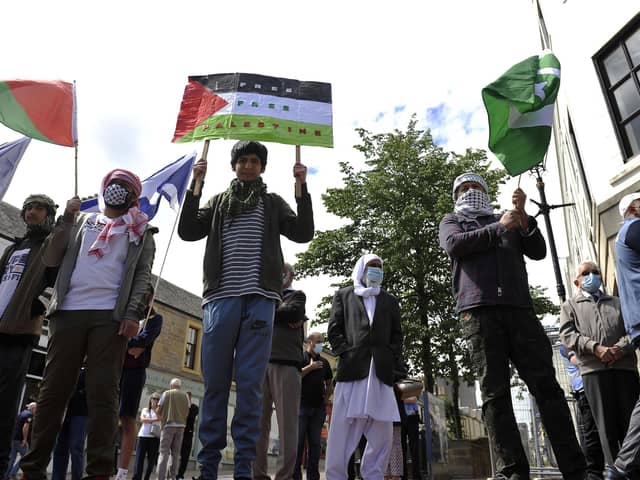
(20, 443)
(72, 435)
(242, 285)
(491, 289)
(316, 389)
(23, 277)
(282, 382)
(134, 376)
(148, 440)
(104, 262)
(591, 325)
(187, 438)
(411, 438)
(365, 331)
(173, 409)
(585, 423)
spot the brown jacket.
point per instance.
(20, 316)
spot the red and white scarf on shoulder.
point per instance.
(133, 223)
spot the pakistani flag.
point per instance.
(246, 106)
(520, 109)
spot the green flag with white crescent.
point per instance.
(520, 109)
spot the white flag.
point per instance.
(10, 155)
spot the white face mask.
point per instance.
(317, 348)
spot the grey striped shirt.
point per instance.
(242, 256)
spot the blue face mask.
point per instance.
(373, 277)
(317, 348)
(591, 283)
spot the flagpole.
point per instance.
(545, 209)
(164, 260)
(298, 184)
(197, 188)
(75, 190)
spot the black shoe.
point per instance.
(611, 472)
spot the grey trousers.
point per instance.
(170, 443)
(282, 388)
(612, 395)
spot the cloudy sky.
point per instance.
(385, 61)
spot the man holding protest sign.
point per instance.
(242, 283)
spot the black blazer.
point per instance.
(355, 341)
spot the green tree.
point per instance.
(394, 207)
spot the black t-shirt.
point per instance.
(313, 386)
(25, 417)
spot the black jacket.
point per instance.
(286, 342)
(197, 223)
(356, 341)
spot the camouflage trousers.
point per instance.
(497, 336)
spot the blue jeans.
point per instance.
(70, 441)
(16, 449)
(236, 339)
(310, 422)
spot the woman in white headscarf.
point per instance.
(365, 331)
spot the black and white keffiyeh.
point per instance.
(473, 204)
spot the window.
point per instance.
(191, 348)
(618, 66)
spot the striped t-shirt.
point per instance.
(242, 256)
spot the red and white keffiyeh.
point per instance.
(133, 223)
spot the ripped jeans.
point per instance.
(236, 344)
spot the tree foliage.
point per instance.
(394, 207)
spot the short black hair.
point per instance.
(246, 147)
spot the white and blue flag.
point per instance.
(170, 183)
(10, 155)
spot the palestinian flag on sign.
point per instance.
(520, 109)
(45, 110)
(246, 106)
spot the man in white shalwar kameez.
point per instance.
(365, 331)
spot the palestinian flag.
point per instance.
(246, 106)
(520, 108)
(45, 110)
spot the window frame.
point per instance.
(191, 325)
(608, 89)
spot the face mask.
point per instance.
(374, 277)
(591, 283)
(317, 348)
(116, 196)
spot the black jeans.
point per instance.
(310, 421)
(147, 447)
(411, 433)
(497, 336)
(588, 436)
(14, 362)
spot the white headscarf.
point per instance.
(358, 273)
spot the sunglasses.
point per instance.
(587, 272)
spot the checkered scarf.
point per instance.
(133, 223)
(473, 204)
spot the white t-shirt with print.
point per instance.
(95, 282)
(11, 276)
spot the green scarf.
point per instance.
(242, 197)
